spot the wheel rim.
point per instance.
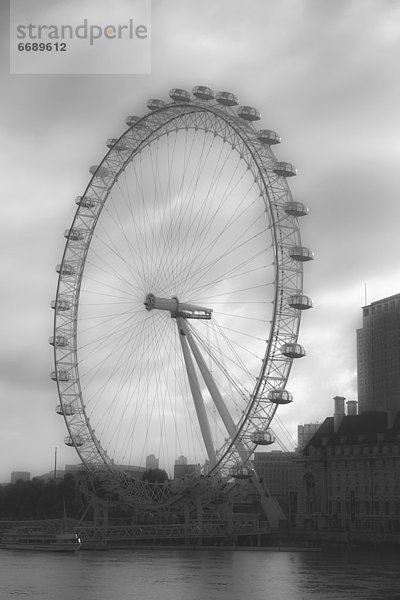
(185, 205)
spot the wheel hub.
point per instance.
(176, 308)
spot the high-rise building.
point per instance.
(378, 357)
(152, 462)
(20, 476)
(305, 433)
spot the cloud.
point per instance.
(322, 74)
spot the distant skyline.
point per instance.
(323, 75)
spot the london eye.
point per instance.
(180, 292)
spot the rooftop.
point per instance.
(370, 425)
(394, 297)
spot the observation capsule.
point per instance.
(131, 120)
(74, 235)
(269, 137)
(300, 301)
(76, 440)
(60, 304)
(59, 341)
(65, 269)
(240, 472)
(249, 113)
(301, 253)
(262, 438)
(203, 93)
(117, 144)
(291, 350)
(285, 169)
(155, 104)
(279, 396)
(67, 410)
(180, 95)
(59, 375)
(85, 201)
(295, 209)
(98, 171)
(227, 98)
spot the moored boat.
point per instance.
(35, 539)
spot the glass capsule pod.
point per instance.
(269, 137)
(59, 341)
(67, 410)
(155, 104)
(60, 375)
(73, 441)
(296, 209)
(279, 396)
(85, 201)
(60, 304)
(262, 438)
(301, 253)
(131, 120)
(111, 142)
(98, 171)
(227, 98)
(300, 301)
(65, 269)
(285, 169)
(241, 472)
(291, 350)
(116, 144)
(249, 113)
(179, 95)
(75, 235)
(203, 93)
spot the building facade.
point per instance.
(276, 471)
(378, 357)
(349, 475)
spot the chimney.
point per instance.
(351, 408)
(339, 412)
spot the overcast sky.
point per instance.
(323, 73)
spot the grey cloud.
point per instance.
(322, 74)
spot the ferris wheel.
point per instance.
(179, 293)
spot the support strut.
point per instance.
(198, 399)
(214, 391)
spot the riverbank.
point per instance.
(333, 539)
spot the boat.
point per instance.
(29, 538)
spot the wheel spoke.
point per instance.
(184, 223)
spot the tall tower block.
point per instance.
(378, 357)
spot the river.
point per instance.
(199, 575)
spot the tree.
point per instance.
(155, 476)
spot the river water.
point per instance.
(198, 575)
